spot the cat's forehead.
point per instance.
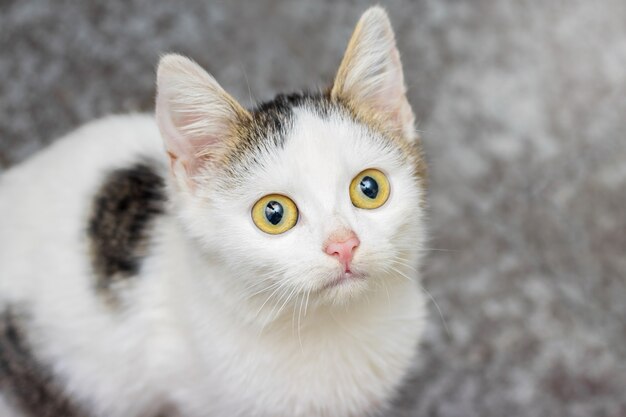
(305, 134)
(271, 123)
(331, 143)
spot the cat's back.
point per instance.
(46, 201)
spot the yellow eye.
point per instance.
(370, 189)
(275, 214)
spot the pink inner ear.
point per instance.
(390, 99)
(183, 147)
(390, 93)
(171, 136)
(198, 145)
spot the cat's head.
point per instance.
(316, 193)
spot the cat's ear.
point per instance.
(370, 77)
(195, 115)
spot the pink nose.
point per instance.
(343, 249)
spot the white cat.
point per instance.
(263, 264)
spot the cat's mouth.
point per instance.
(344, 278)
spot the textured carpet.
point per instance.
(522, 107)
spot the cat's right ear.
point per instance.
(370, 78)
(195, 115)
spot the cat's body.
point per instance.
(134, 282)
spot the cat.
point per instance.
(219, 261)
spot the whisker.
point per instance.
(432, 298)
(440, 250)
(300, 323)
(291, 294)
(282, 284)
(264, 289)
(308, 293)
(402, 262)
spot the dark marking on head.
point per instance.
(268, 125)
(119, 227)
(29, 385)
(285, 103)
(271, 118)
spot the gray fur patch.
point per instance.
(28, 384)
(119, 227)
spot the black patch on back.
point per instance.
(29, 384)
(119, 227)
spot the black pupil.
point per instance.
(369, 187)
(274, 212)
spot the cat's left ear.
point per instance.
(370, 77)
(196, 117)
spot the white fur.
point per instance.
(188, 334)
(224, 319)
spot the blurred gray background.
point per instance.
(522, 107)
